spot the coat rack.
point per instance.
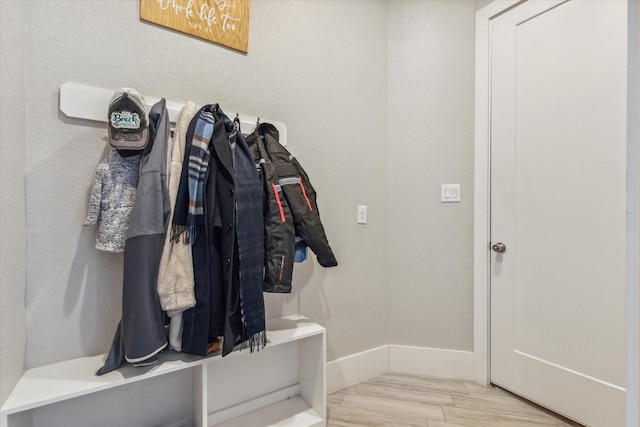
(92, 103)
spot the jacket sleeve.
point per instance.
(302, 201)
(95, 200)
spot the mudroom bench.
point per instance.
(283, 384)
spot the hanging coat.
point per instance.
(112, 197)
(228, 251)
(140, 335)
(290, 209)
(175, 278)
(204, 323)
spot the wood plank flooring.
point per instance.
(408, 400)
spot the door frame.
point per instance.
(482, 198)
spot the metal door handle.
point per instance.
(499, 247)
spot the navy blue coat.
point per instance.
(216, 254)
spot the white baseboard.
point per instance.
(350, 370)
(433, 362)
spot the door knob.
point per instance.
(499, 247)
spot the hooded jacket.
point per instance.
(290, 209)
(140, 335)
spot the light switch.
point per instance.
(362, 214)
(450, 193)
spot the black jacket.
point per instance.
(227, 286)
(290, 209)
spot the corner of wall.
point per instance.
(402, 359)
(355, 368)
(633, 217)
(13, 317)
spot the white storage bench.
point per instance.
(283, 384)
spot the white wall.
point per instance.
(13, 316)
(431, 86)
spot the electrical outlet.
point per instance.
(362, 214)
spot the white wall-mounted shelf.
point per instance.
(283, 384)
(92, 103)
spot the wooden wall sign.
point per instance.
(221, 21)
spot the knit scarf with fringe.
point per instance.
(250, 240)
(188, 217)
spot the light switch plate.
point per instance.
(450, 193)
(362, 214)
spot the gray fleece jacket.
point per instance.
(112, 198)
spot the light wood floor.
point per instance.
(409, 400)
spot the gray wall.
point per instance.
(633, 219)
(431, 95)
(320, 67)
(378, 100)
(13, 314)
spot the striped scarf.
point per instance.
(192, 179)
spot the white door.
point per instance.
(558, 129)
